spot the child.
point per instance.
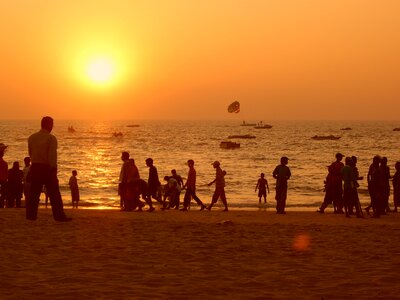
(73, 185)
(396, 187)
(262, 185)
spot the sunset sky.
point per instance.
(126, 59)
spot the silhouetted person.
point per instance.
(27, 178)
(14, 186)
(153, 182)
(129, 184)
(190, 186)
(42, 147)
(172, 191)
(3, 175)
(374, 187)
(73, 186)
(282, 175)
(262, 185)
(219, 186)
(179, 180)
(396, 186)
(385, 185)
(349, 187)
(357, 177)
(333, 186)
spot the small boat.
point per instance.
(325, 137)
(242, 136)
(396, 129)
(133, 125)
(248, 124)
(229, 145)
(262, 126)
(71, 129)
(346, 128)
(118, 134)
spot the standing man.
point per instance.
(282, 175)
(42, 148)
(3, 175)
(154, 183)
(190, 186)
(219, 186)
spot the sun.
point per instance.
(101, 70)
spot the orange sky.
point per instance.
(282, 59)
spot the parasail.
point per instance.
(234, 107)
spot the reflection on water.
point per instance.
(95, 153)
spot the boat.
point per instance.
(248, 124)
(396, 129)
(346, 128)
(325, 137)
(262, 126)
(133, 125)
(118, 134)
(71, 129)
(229, 145)
(242, 136)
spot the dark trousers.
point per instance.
(280, 197)
(189, 194)
(3, 187)
(219, 193)
(42, 174)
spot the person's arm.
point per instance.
(258, 181)
(53, 152)
(266, 183)
(212, 182)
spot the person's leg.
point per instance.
(223, 199)
(197, 199)
(214, 199)
(53, 190)
(38, 174)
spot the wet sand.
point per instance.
(109, 254)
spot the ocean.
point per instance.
(95, 153)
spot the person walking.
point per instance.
(190, 186)
(42, 147)
(282, 175)
(219, 186)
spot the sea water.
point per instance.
(95, 153)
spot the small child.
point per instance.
(73, 185)
(396, 187)
(262, 185)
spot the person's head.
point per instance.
(284, 160)
(125, 156)
(166, 178)
(132, 161)
(348, 161)
(376, 160)
(216, 164)
(27, 161)
(384, 161)
(149, 162)
(339, 156)
(173, 172)
(74, 173)
(190, 162)
(2, 149)
(397, 166)
(47, 123)
(262, 175)
(354, 158)
(15, 165)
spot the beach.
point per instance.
(108, 254)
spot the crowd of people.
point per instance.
(342, 182)
(40, 174)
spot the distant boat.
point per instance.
(229, 145)
(118, 134)
(346, 128)
(262, 126)
(71, 129)
(133, 125)
(248, 124)
(325, 137)
(396, 129)
(242, 136)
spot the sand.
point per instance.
(109, 254)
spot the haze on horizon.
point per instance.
(123, 59)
